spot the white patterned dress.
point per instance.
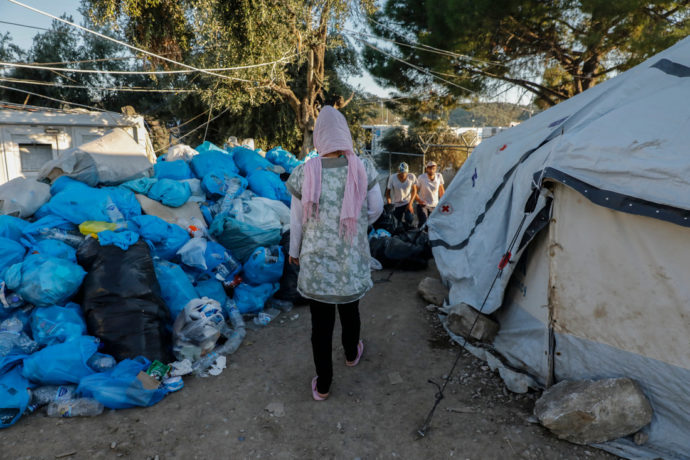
(331, 269)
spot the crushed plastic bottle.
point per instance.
(80, 407)
(114, 214)
(62, 235)
(9, 299)
(100, 362)
(7, 415)
(13, 339)
(234, 314)
(266, 316)
(49, 393)
(230, 346)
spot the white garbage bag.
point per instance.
(21, 197)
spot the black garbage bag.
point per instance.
(388, 222)
(288, 282)
(120, 297)
(420, 239)
(397, 253)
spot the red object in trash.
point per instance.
(505, 260)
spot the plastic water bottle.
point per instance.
(234, 314)
(265, 317)
(100, 362)
(62, 235)
(51, 393)
(114, 214)
(80, 407)
(8, 299)
(12, 338)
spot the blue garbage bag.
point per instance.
(44, 280)
(279, 156)
(35, 231)
(166, 238)
(202, 254)
(141, 185)
(120, 388)
(251, 299)
(11, 227)
(240, 238)
(248, 161)
(122, 240)
(170, 192)
(11, 253)
(177, 170)
(213, 289)
(268, 185)
(265, 265)
(55, 248)
(61, 363)
(208, 146)
(213, 160)
(77, 202)
(14, 396)
(218, 184)
(51, 325)
(176, 288)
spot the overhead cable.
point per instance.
(139, 89)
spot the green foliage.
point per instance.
(553, 49)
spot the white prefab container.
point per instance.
(32, 136)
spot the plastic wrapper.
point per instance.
(121, 301)
(43, 280)
(22, 197)
(197, 329)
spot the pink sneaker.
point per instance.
(360, 350)
(315, 394)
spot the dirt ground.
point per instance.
(374, 409)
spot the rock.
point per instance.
(461, 319)
(276, 409)
(517, 382)
(588, 411)
(432, 290)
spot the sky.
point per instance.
(23, 36)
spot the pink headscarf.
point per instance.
(331, 134)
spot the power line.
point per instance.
(197, 128)
(119, 42)
(100, 88)
(23, 25)
(51, 98)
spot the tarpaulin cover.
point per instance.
(121, 301)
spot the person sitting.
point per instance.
(429, 191)
(401, 191)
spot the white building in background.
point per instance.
(31, 136)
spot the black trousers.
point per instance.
(423, 212)
(322, 323)
(404, 215)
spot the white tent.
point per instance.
(598, 283)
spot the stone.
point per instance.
(461, 321)
(276, 409)
(593, 411)
(432, 290)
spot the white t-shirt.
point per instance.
(401, 192)
(427, 189)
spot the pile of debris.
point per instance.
(117, 277)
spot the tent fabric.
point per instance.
(603, 137)
(607, 275)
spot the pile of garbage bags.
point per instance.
(396, 246)
(111, 291)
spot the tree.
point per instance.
(293, 35)
(553, 49)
